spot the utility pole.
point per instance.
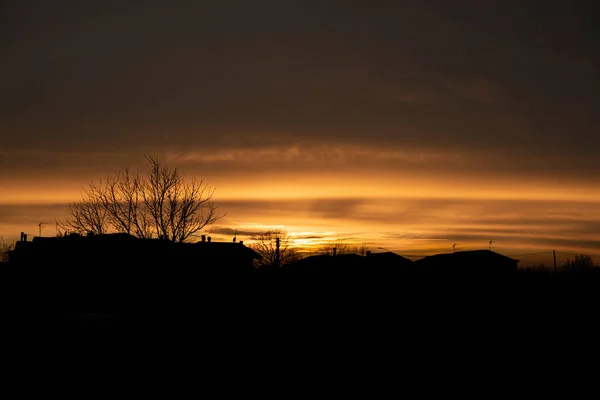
(40, 228)
(554, 255)
(277, 260)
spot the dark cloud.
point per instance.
(233, 232)
(83, 77)
(263, 207)
(335, 208)
(311, 237)
(30, 213)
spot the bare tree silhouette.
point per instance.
(266, 245)
(160, 203)
(580, 263)
(361, 250)
(338, 248)
(5, 247)
(335, 248)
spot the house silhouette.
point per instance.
(387, 261)
(474, 263)
(124, 250)
(327, 263)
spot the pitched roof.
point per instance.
(328, 261)
(470, 256)
(389, 257)
(227, 248)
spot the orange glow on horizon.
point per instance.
(388, 210)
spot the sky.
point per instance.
(402, 125)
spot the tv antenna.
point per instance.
(490, 246)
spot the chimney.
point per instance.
(22, 234)
(368, 253)
(241, 242)
(203, 238)
(209, 239)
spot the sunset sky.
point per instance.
(406, 125)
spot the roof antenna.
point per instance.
(490, 247)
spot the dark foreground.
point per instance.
(309, 328)
(292, 300)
